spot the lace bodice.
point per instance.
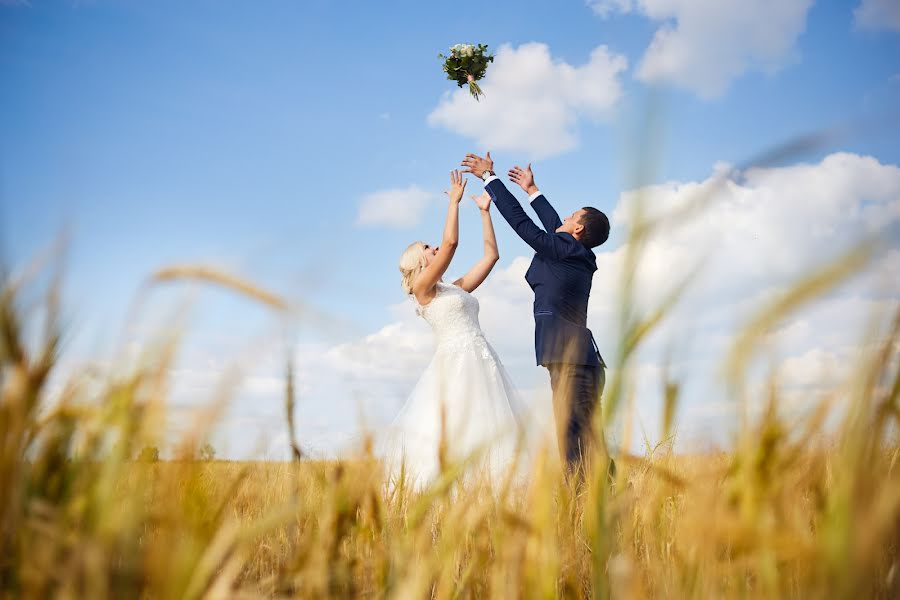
(453, 316)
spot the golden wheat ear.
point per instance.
(221, 278)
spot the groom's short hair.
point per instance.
(596, 227)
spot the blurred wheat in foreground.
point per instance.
(794, 510)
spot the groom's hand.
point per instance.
(477, 165)
(524, 178)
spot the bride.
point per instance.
(464, 405)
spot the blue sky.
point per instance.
(246, 135)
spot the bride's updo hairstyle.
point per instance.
(412, 262)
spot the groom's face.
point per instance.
(572, 223)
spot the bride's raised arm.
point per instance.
(423, 287)
(483, 267)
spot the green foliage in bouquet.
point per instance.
(466, 65)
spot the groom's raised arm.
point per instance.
(546, 213)
(542, 242)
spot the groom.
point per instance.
(560, 276)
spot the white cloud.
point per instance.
(817, 367)
(397, 208)
(771, 224)
(532, 102)
(391, 353)
(878, 14)
(703, 45)
(605, 8)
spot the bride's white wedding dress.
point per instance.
(465, 398)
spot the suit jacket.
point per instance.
(560, 276)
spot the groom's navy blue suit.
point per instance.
(560, 276)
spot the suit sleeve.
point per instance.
(544, 243)
(546, 213)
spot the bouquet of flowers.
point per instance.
(466, 65)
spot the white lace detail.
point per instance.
(453, 316)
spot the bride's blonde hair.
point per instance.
(412, 262)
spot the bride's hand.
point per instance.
(457, 186)
(483, 201)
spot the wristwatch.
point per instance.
(486, 174)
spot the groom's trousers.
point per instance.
(576, 395)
